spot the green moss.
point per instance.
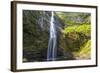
(84, 29)
(70, 29)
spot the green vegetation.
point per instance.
(84, 29)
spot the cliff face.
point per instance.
(35, 35)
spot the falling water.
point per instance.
(51, 53)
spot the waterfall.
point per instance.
(51, 52)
